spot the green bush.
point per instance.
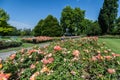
(9, 43)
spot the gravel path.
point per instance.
(4, 55)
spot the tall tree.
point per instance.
(116, 29)
(77, 20)
(3, 15)
(71, 18)
(48, 27)
(66, 18)
(37, 31)
(5, 28)
(107, 15)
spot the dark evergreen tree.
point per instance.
(116, 29)
(107, 15)
(37, 31)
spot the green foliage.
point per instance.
(89, 27)
(38, 28)
(26, 32)
(71, 19)
(9, 43)
(93, 29)
(116, 29)
(5, 28)
(48, 27)
(107, 15)
(6, 31)
(77, 59)
(3, 15)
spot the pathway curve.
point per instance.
(4, 55)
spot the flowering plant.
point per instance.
(80, 59)
(37, 39)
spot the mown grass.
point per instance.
(113, 44)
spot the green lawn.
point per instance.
(113, 44)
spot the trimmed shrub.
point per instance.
(9, 43)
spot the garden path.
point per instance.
(4, 55)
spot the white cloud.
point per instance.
(20, 25)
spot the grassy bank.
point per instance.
(114, 44)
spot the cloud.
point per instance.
(20, 25)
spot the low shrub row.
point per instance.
(9, 43)
(80, 59)
(38, 39)
(110, 36)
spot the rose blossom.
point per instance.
(76, 53)
(111, 71)
(57, 48)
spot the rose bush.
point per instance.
(37, 39)
(80, 59)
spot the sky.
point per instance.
(27, 13)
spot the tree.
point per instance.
(26, 32)
(78, 17)
(89, 27)
(71, 18)
(116, 29)
(5, 28)
(3, 15)
(37, 31)
(48, 27)
(107, 15)
(66, 18)
(93, 29)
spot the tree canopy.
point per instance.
(48, 27)
(107, 15)
(71, 18)
(5, 28)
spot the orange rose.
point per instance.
(31, 51)
(111, 71)
(99, 57)
(1, 66)
(76, 53)
(12, 56)
(108, 57)
(44, 61)
(47, 61)
(57, 48)
(115, 55)
(34, 75)
(50, 60)
(45, 69)
(4, 76)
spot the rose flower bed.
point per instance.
(37, 39)
(83, 59)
